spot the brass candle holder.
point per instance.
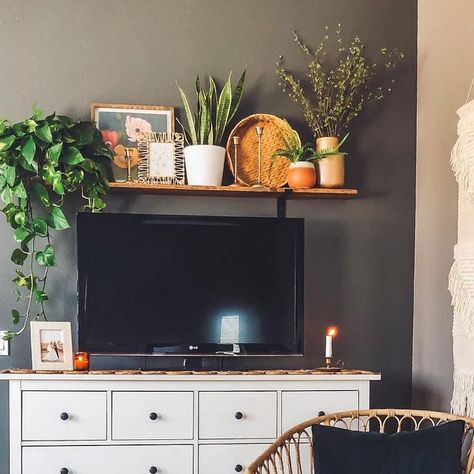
(128, 158)
(330, 367)
(236, 141)
(259, 132)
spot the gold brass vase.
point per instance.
(331, 169)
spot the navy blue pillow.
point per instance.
(432, 450)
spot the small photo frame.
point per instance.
(161, 158)
(122, 125)
(4, 345)
(51, 345)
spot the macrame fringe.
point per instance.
(463, 394)
(462, 154)
(460, 299)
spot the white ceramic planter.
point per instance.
(204, 164)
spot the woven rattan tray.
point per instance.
(273, 130)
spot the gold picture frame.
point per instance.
(51, 345)
(122, 125)
(161, 159)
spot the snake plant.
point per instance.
(213, 111)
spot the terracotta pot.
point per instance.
(301, 174)
(331, 169)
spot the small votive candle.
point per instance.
(81, 361)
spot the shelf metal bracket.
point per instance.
(281, 206)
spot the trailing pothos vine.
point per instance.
(41, 161)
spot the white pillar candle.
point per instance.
(328, 346)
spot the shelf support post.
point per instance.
(281, 206)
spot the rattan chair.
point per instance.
(291, 453)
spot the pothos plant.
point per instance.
(41, 161)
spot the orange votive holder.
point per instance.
(81, 361)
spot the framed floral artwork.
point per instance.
(51, 345)
(122, 125)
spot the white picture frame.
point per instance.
(4, 345)
(51, 345)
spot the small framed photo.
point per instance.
(161, 158)
(4, 345)
(51, 345)
(122, 125)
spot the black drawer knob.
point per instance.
(153, 470)
(321, 413)
(64, 416)
(239, 468)
(239, 415)
(153, 416)
(64, 470)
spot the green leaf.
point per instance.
(57, 220)
(18, 257)
(9, 211)
(40, 226)
(205, 122)
(19, 190)
(40, 296)
(6, 195)
(37, 111)
(189, 117)
(6, 142)
(58, 186)
(28, 149)
(10, 174)
(20, 218)
(21, 234)
(15, 316)
(33, 166)
(44, 133)
(73, 156)
(223, 110)
(237, 96)
(46, 257)
(41, 193)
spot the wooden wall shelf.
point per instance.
(280, 194)
(230, 191)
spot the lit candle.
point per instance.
(330, 334)
(81, 361)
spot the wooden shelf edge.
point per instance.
(186, 190)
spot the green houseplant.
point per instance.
(334, 92)
(205, 128)
(302, 172)
(41, 161)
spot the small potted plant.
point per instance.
(302, 172)
(338, 92)
(204, 156)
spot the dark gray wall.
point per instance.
(359, 253)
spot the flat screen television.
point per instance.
(190, 285)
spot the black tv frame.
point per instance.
(187, 350)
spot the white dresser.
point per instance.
(164, 423)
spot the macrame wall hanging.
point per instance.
(461, 277)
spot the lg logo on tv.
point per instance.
(193, 348)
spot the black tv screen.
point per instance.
(190, 285)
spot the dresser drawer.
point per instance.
(108, 459)
(152, 415)
(246, 415)
(64, 416)
(227, 458)
(299, 406)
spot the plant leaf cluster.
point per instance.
(335, 92)
(42, 160)
(213, 113)
(295, 151)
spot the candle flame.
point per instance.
(332, 331)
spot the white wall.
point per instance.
(445, 69)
